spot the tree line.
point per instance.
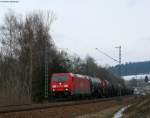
(24, 41)
(133, 68)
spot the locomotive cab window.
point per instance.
(61, 78)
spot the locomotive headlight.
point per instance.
(66, 89)
(53, 86)
(66, 86)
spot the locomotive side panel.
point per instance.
(81, 86)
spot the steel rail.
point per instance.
(31, 107)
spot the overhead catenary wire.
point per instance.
(106, 55)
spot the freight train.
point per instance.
(71, 85)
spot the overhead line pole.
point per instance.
(46, 70)
(119, 47)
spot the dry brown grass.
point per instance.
(139, 109)
(106, 113)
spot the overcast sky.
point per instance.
(83, 25)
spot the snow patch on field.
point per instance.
(119, 114)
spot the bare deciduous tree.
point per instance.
(22, 55)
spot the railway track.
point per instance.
(30, 107)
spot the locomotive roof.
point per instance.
(78, 75)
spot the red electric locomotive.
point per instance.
(68, 84)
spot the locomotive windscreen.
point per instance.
(59, 78)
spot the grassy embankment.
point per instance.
(139, 109)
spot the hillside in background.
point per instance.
(132, 68)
